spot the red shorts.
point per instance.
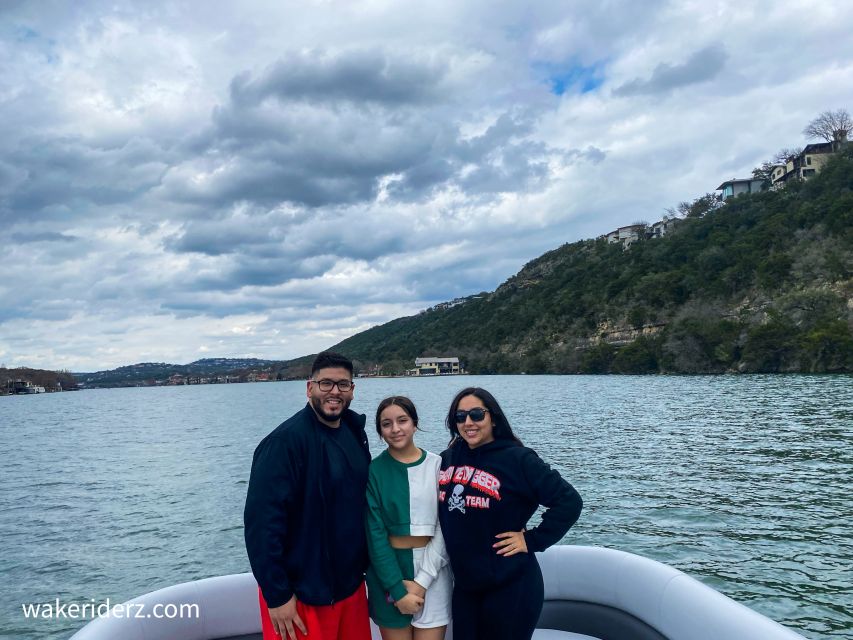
(344, 620)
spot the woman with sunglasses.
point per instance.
(409, 581)
(489, 487)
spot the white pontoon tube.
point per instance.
(590, 592)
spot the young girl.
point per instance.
(489, 487)
(409, 582)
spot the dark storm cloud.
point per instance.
(10, 177)
(362, 76)
(703, 65)
(183, 307)
(319, 132)
(294, 236)
(248, 271)
(62, 172)
(224, 236)
(271, 180)
(25, 237)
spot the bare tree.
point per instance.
(832, 126)
(678, 211)
(783, 156)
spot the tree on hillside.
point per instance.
(832, 126)
(696, 209)
(764, 172)
(700, 206)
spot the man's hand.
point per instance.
(409, 604)
(414, 587)
(513, 542)
(285, 617)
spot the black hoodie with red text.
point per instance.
(493, 489)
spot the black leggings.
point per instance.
(508, 612)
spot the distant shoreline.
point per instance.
(733, 374)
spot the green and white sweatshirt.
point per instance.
(402, 500)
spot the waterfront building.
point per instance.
(433, 366)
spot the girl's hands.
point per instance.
(409, 604)
(512, 542)
(414, 587)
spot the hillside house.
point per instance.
(777, 174)
(627, 235)
(737, 186)
(631, 233)
(803, 166)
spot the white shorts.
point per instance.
(438, 599)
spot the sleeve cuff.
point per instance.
(277, 598)
(398, 591)
(424, 579)
(532, 541)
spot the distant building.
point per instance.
(805, 165)
(813, 157)
(627, 234)
(663, 227)
(435, 367)
(23, 387)
(777, 174)
(735, 187)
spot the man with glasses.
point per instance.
(304, 515)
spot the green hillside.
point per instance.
(205, 371)
(760, 284)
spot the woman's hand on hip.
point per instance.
(510, 543)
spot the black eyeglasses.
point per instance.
(326, 385)
(477, 414)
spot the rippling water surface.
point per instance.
(742, 482)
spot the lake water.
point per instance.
(742, 482)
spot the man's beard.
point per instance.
(317, 405)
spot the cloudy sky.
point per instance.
(266, 178)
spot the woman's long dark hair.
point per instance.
(501, 429)
(401, 401)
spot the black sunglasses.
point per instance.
(477, 414)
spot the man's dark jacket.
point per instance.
(288, 521)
